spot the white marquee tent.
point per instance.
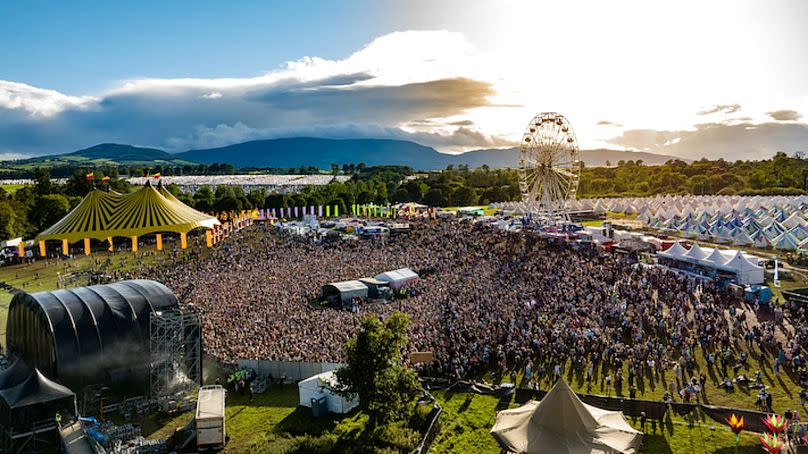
(746, 267)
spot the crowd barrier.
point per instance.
(293, 371)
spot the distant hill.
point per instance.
(106, 154)
(509, 157)
(306, 151)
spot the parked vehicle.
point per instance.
(210, 427)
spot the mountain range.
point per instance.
(306, 151)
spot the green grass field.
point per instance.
(11, 188)
(247, 422)
(468, 418)
(488, 211)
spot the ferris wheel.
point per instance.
(549, 167)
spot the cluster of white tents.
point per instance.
(745, 267)
(779, 222)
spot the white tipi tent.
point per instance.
(562, 424)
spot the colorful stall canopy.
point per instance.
(146, 211)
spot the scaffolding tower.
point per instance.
(175, 343)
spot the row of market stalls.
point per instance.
(734, 265)
(380, 286)
(343, 228)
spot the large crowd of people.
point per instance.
(491, 300)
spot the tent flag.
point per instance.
(86, 246)
(159, 242)
(295, 212)
(134, 243)
(336, 211)
(42, 251)
(328, 211)
(183, 240)
(65, 247)
(320, 208)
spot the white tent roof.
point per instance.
(675, 251)
(741, 238)
(562, 424)
(715, 258)
(349, 286)
(398, 277)
(786, 242)
(746, 272)
(695, 253)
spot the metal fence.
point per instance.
(291, 371)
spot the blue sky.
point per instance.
(84, 46)
(725, 78)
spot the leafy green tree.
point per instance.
(48, 209)
(204, 199)
(374, 369)
(436, 197)
(276, 201)
(7, 221)
(256, 197)
(464, 196)
(42, 182)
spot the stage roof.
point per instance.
(102, 215)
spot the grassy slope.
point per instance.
(246, 422)
(273, 422)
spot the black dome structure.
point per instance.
(78, 336)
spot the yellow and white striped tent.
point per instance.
(104, 215)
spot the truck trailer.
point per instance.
(210, 428)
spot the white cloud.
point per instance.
(434, 87)
(395, 79)
(39, 102)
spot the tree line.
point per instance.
(33, 208)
